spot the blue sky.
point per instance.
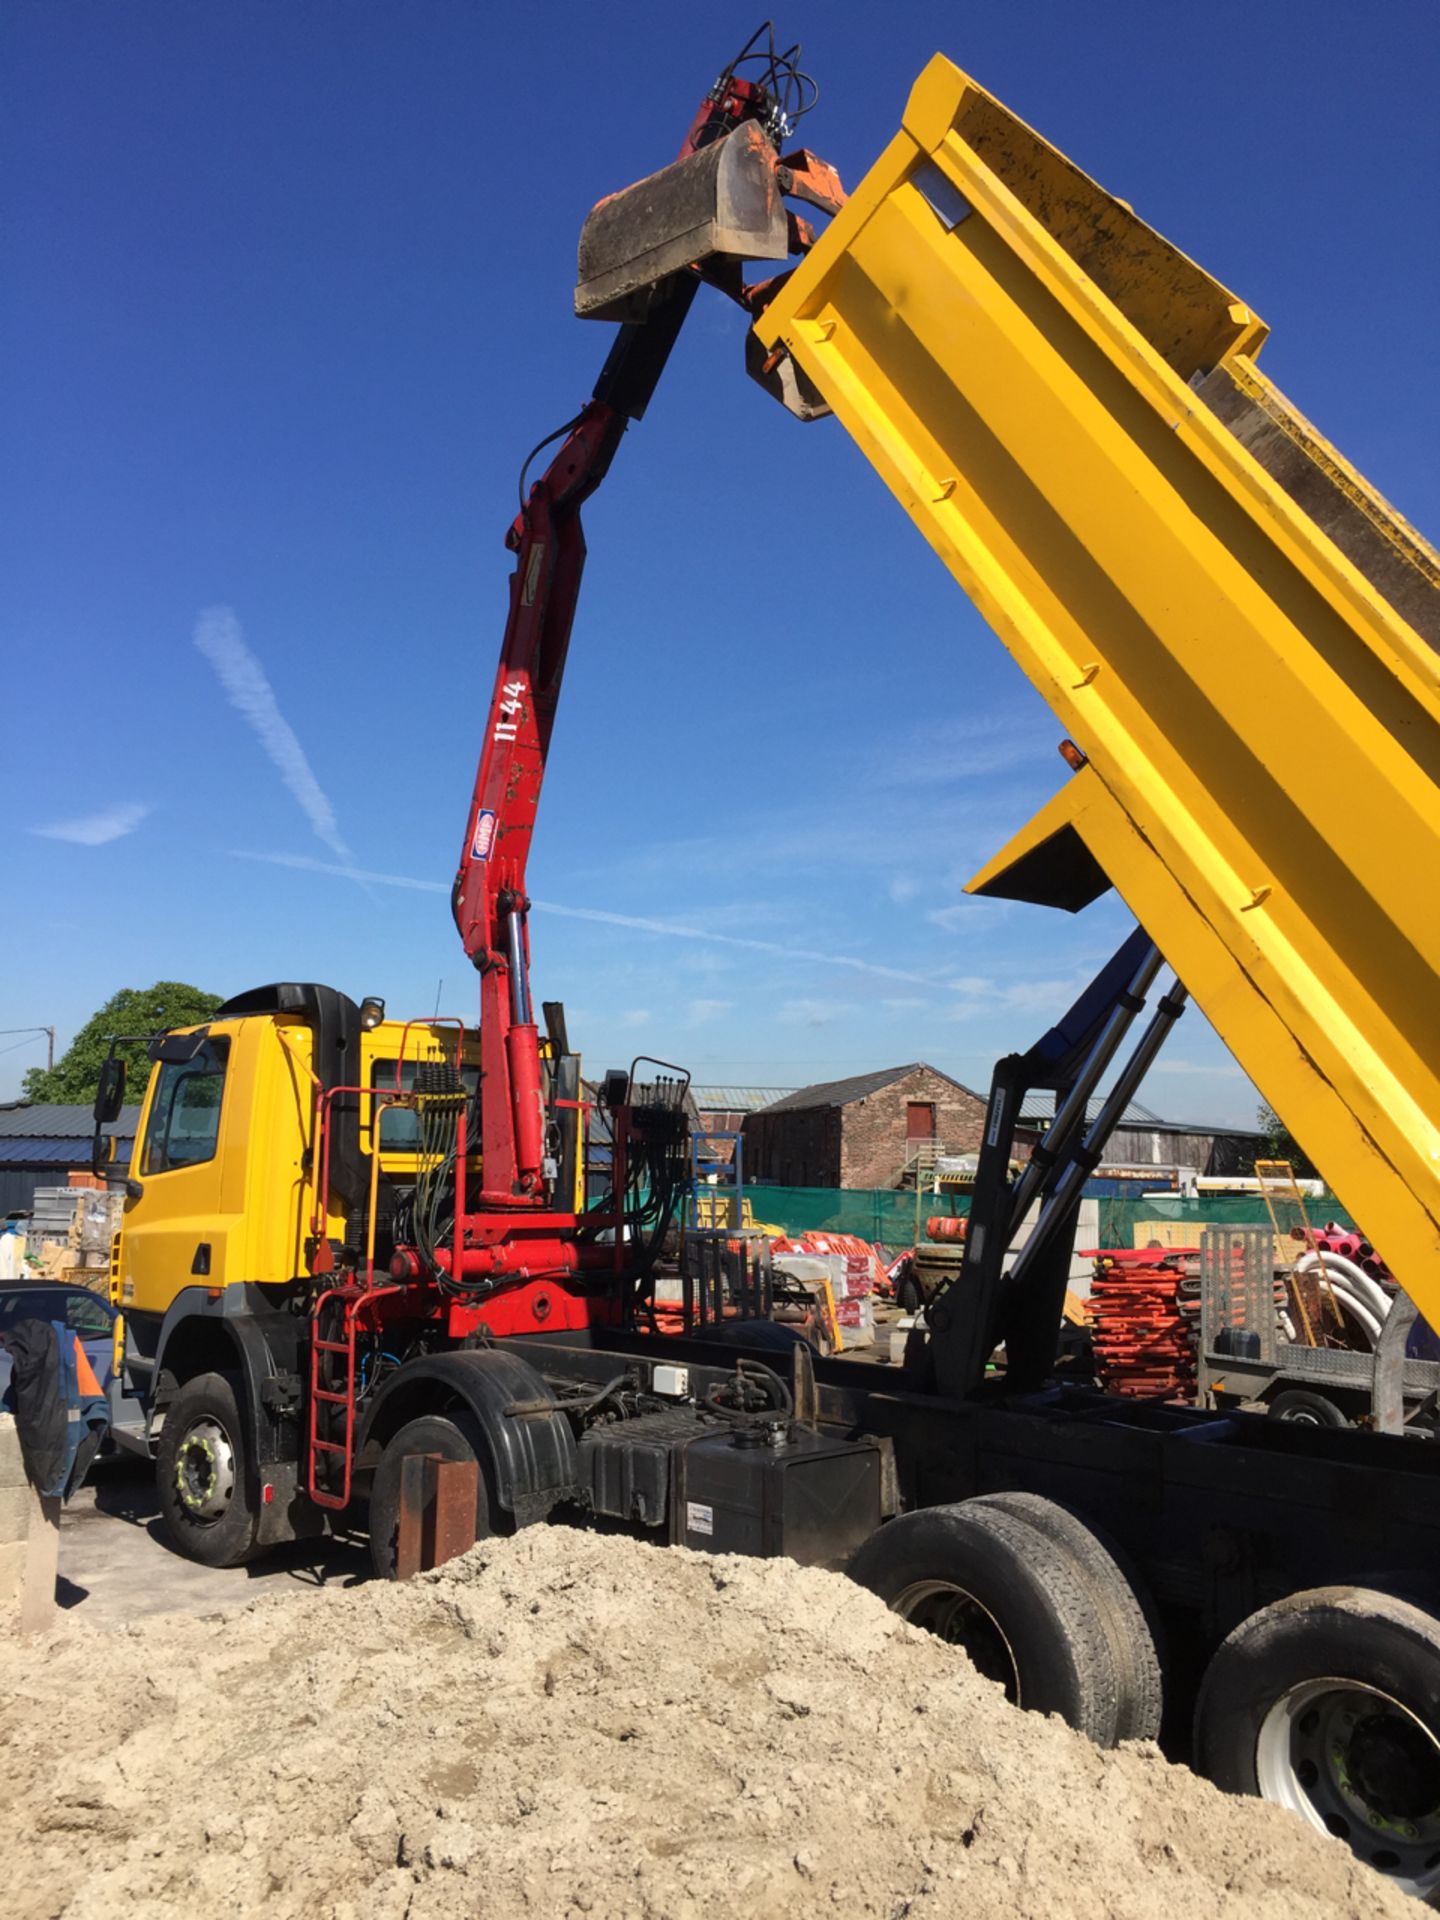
(287, 301)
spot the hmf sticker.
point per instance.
(483, 845)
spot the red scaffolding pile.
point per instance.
(1142, 1312)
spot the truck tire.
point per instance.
(1131, 1622)
(1328, 1703)
(454, 1436)
(1306, 1409)
(1016, 1601)
(202, 1476)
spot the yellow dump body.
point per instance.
(1223, 615)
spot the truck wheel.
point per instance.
(1131, 1622)
(1306, 1409)
(1329, 1703)
(910, 1299)
(454, 1436)
(1017, 1602)
(203, 1477)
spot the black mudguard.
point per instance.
(531, 1442)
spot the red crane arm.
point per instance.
(489, 898)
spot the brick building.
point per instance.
(862, 1132)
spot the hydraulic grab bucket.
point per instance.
(723, 201)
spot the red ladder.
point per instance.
(323, 1398)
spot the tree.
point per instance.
(1281, 1144)
(74, 1077)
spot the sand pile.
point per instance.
(564, 1724)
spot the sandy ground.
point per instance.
(568, 1724)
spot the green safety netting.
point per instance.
(1119, 1216)
(894, 1219)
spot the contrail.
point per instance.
(670, 928)
(247, 688)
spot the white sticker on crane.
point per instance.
(482, 845)
(699, 1519)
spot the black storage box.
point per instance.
(811, 1499)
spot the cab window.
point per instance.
(184, 1125)
(399, 1126)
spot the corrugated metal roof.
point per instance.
(737, 1099)
(18, 1151)
(840, 1093)
(48, 1119)
(1039, 1108)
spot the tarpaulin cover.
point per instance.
(59, 1407)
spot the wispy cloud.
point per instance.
(1221, 1070)
(247, 687)
(635, 1017)
(307, 863)
(700, 1012)
(815, 1013)
(671, 929)
(939, 752)
(98, 829)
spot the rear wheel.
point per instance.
(1016, 1602)
(1306, 1409)
(203, 1477)
(454, 1436)
(1131, 1623)
(1329, 1703)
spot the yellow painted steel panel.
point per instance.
(1263, 728)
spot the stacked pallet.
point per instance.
(855, 1271)
(69, 1233)
(1143, 1310)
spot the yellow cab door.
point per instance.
(175, 1229)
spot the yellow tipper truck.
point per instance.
(357, 1261)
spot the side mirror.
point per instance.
(110, 1094)
(102, 1152)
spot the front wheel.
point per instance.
(203, 1477)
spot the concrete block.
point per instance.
(12, 1582)
(14, 1512)
(12, 1464)
(42, 1565)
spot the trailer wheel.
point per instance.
(202, 1476)
(1132, 1624)
(1017, 1602)
(1329, 1703)
(454, 1436)
(1306, 1409)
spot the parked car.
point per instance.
(88, 1314)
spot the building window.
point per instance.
(184, 1127)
